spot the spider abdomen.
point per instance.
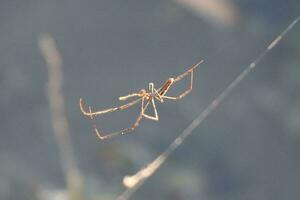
(166, 86)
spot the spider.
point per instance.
(145, 98)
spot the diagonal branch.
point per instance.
(135, 181)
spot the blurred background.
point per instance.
(249, 148)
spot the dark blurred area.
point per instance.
(249, 148)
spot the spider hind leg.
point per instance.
(102, 136)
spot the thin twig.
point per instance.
(135, 181)
(57, 108)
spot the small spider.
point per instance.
(145, 97)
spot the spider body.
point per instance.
(144, 97)
(166, 86)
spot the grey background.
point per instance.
(248, 149)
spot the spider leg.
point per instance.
(178, 78)
(92, 114)
(102, 136)
(183, 94)
(123, 98)
(155, 118)
(158, 96)
(168, 97)
(191, 69)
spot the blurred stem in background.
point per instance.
(60, 125)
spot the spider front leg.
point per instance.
(183, 94)
(178, 78)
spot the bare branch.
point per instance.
(135, 181)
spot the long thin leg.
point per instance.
(183, 94)
(158, 96)
(155, 118)
(92, 114)
(178, 78)
(125, 130)
(123, 98)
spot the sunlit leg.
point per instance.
(158, 96)
(123, 131)
(93, 114)
(123, 98)
(191, 69)
(155, 118)
(185, 92)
